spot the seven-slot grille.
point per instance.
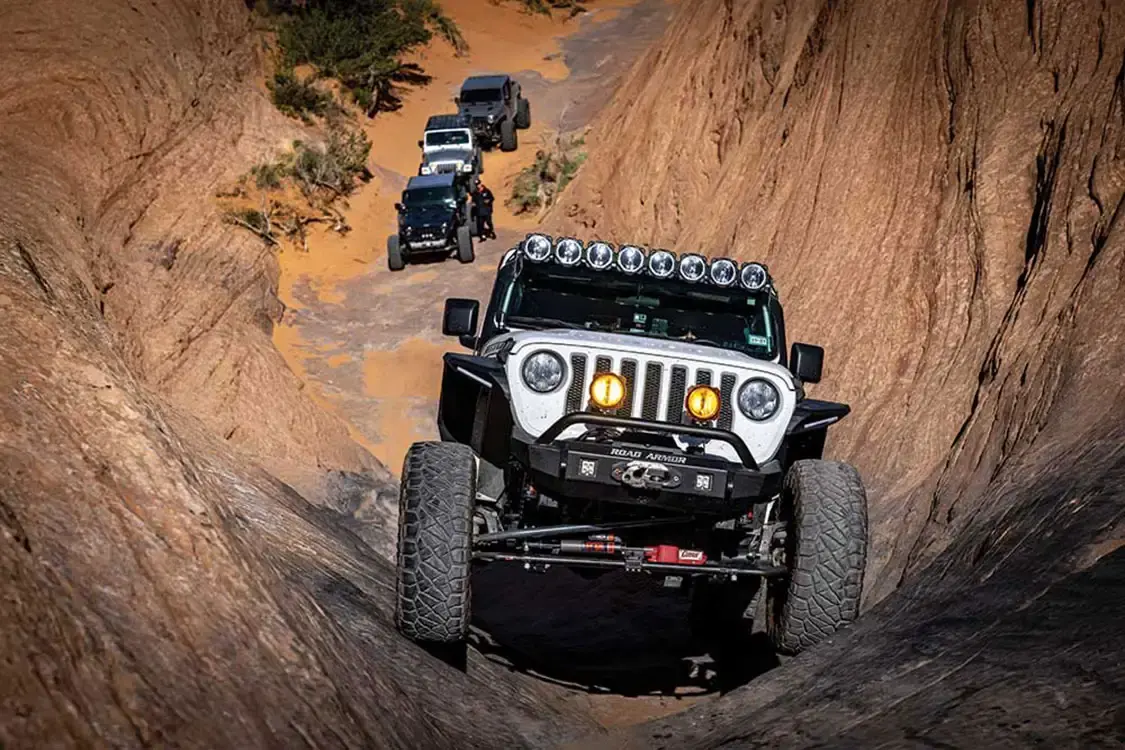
(648, 385)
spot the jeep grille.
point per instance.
(655, 384)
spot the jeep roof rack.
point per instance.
(448, 122)
(491, 81)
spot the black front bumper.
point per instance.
(619, 469)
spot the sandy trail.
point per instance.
(367, 342)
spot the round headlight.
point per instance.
(599, 256)
(631, 259)
(758, 399)
(702, 402)
(723, 272)
(662, 264)
(568, 251)
(754, 276)
(537, 247)
(607, 390)
(692, 267)
(543, 371)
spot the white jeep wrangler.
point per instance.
(631, 409)
(449, 146)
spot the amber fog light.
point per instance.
(607, 390)
(702, 402)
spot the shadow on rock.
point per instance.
(617, 633)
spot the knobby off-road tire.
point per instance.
(827, 550)
(435, 526)
(509, 141)
(523, 114)
(394, 254)
(465, 244)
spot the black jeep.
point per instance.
(625, 409)
(496, 108)
(433, 219)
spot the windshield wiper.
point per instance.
(540, 323)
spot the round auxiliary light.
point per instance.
(568, 251)
(607, 390)
(662, 264)
(537, 247)
(723, 272)
(631, 259)
(692, 267)
(702, 402)
(599, 256)
(754, 276)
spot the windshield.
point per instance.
(480, 96)
(447, 138)
(431, 196)
(557, 297)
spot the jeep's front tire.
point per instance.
(394, 254)
(508, 139)
(523, 114)
(435, 526)
(825, 506)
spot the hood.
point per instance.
(448, 154)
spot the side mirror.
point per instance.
(806, 362)
(460, 319)
(421, 145)
(456, 100)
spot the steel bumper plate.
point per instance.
(647, 469)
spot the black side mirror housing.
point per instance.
(456, 100)
(806, 362)
(420, 144)
(398, 207)
(460, 320)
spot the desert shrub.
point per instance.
(537, 186)
(270, 174)
(361, 43)
(296, 97)
(546, 7)
(334, 165)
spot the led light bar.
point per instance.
(662, 264)
(599, 255)
(631, 259)
(568, 251)
(634, 259)
(693, 267)
(723, 272)
(537, 247)
(754, 276)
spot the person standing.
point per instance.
(484, 200)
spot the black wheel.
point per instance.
(523, 114)
(435, 526)
(464, 244)
(825, 507)
(509, 141)
(394, 254)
